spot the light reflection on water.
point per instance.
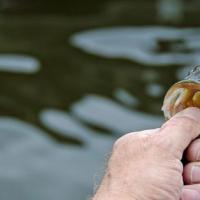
(19, 63)
(86, 98)
(27, 154)
(125, 97)
(141, 44)
(35, 167)
(112, 116)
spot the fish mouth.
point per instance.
(194, 74)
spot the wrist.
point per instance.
(103, 195)
(109, 190)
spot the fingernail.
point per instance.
(188, 194)
(195, 174)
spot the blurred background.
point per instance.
(76, 75)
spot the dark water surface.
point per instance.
(74, 78)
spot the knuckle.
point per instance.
(121, 141)
(125, 140)
(117, 143)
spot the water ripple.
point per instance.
(19, 63)
(142, 44)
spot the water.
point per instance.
(19, 63)
(71, 82)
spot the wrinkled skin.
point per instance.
(147, 165)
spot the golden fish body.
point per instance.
(183, 94)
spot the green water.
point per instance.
(67, 74)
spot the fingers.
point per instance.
(191, 192)
(193, 151)
(191, 173)
(181, 129)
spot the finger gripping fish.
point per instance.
(183, 94)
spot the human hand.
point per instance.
(147, 165)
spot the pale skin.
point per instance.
(147, 165)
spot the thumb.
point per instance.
(181, 129)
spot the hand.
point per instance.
(147, 165)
